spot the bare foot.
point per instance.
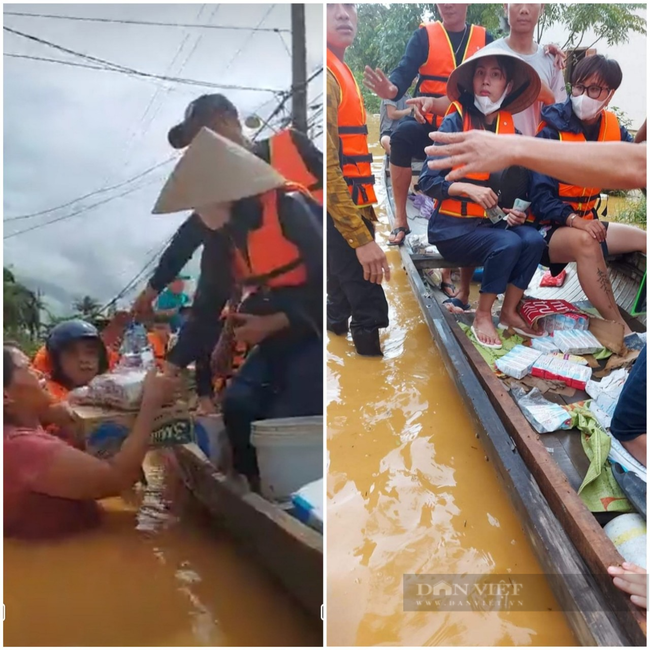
(515, 320)
(485, 330)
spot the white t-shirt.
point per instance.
(544, 64)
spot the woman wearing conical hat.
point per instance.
(273, 248)
(485, 91)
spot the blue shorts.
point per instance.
(629, 419)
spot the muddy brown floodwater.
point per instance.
(158, 573)
(410, 491)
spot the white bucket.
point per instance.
(289, 454)
(629, 534)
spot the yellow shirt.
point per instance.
(348, 218)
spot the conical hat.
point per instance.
(525, 82)
(213, 170)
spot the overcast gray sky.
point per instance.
(69, 130)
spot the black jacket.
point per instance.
(302, 305)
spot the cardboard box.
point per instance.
(104, 430)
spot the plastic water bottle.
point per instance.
(136, 350)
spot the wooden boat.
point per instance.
(290, 550)
(540, 475)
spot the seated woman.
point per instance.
(51, 488)
(486, 91)
(566, 214)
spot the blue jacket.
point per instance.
(544, 190)
(432, 182)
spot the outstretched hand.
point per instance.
(633, 580)
(379, 83)
(555, 51)
(472, 151)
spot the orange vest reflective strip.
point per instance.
(286, 159)
(354, 156)
(441, 62)
(273, 261)
(466, 208)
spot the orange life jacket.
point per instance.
(43, 363)
(441, 62)
(465, 207)
(354, 156)
(584, 200)
(272, 260)
(286, 159)
(56, 390)
(158, 347)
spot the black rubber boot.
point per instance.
(367, 343)
(337, 328)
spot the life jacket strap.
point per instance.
(261, 280)
(353, 130)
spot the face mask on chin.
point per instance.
(486, 105)
(587, 108)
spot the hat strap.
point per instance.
(516, 94)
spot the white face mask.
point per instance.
(587, 108)
(215, 216)
(486, 105)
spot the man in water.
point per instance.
(356, 265)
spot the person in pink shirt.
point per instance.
(50, 488)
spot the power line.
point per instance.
(248, 40)
(93, 193)
(78, 212)
(286, 97)
(148, 22)
(134, 281)
(115, 67)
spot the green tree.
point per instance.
(384, 30)
(22, 307)
(87, 307)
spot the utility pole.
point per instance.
(299, 60)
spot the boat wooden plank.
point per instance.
(582, 527)
(565, 571)
(291, 551)
(569, 577)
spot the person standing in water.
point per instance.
(356, 265)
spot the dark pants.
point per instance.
(276, 381)
(507, 256)
(629, 419)
(408, 141)
(348, 293)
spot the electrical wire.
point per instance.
(114, 67)
(38, 226)
(93, 193)
(148, 22)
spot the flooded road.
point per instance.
(157, 574)
(410, 491)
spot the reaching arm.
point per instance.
(395, 113)
(579, 163)
(74, 474)
(187, 239)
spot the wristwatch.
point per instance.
(571, 219)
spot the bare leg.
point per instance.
(466, 274)
(571, 245)
(385, 143)
(622, 238)
(637, 447)
(509, 315)
(483, 325)
(401, 179)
